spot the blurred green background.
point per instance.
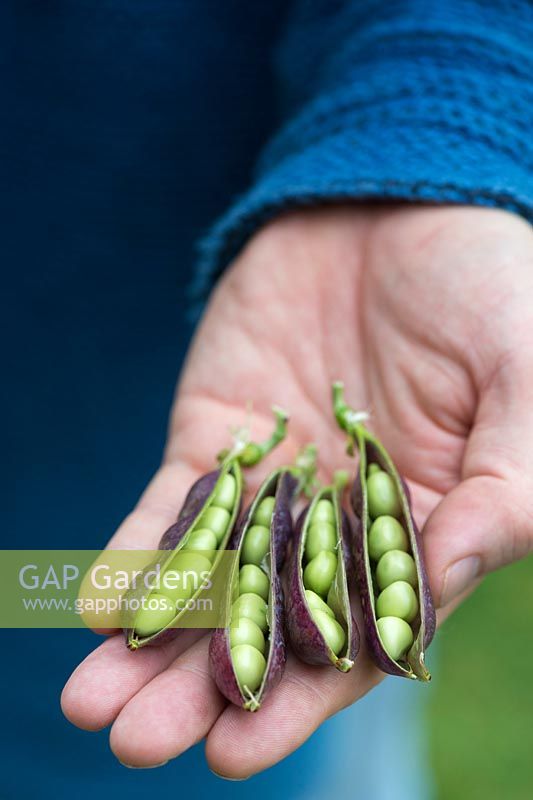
(481, 707)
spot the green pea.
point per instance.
(331, 599)
(386, 534)
(263, 512)
(383, 496)
(324, 512)
(193, 567)
(158, 611)
(398, 600)
(252, 607)
(202, 539)
(249, 666)
(216, 519)
(396, 636)
(396, 566)
(372, 469)
(316, 603)
(330, 630)
(256, 545)
(253, 579)
(225, 492)
(245, 631)
(319, 573)
(320, 536)
(176, 587)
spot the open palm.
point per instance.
(426, 315)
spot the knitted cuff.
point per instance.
(408, 105)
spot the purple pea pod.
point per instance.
(203, 528)
(398, 541)
(320, 623)
(247, 658)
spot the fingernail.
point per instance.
(458, 577)
(225, 777)
(148, 766)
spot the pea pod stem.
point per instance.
(304, 470)
(251, 453)
(348, 419)
(341, 478)
(351, 422)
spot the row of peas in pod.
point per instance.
(320, 622)
(321, 553)
(187, 571)
(396, 602)
(249, 613)
(247, 657)
(393, 566)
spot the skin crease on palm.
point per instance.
(427, 316)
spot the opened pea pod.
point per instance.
(247, 658)
(396, 600)
(195, 542)
(321, 627)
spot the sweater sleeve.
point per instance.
(411, 100)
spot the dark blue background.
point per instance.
(126, 127)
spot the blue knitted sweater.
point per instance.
(417, 100)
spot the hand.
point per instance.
(427, 315)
